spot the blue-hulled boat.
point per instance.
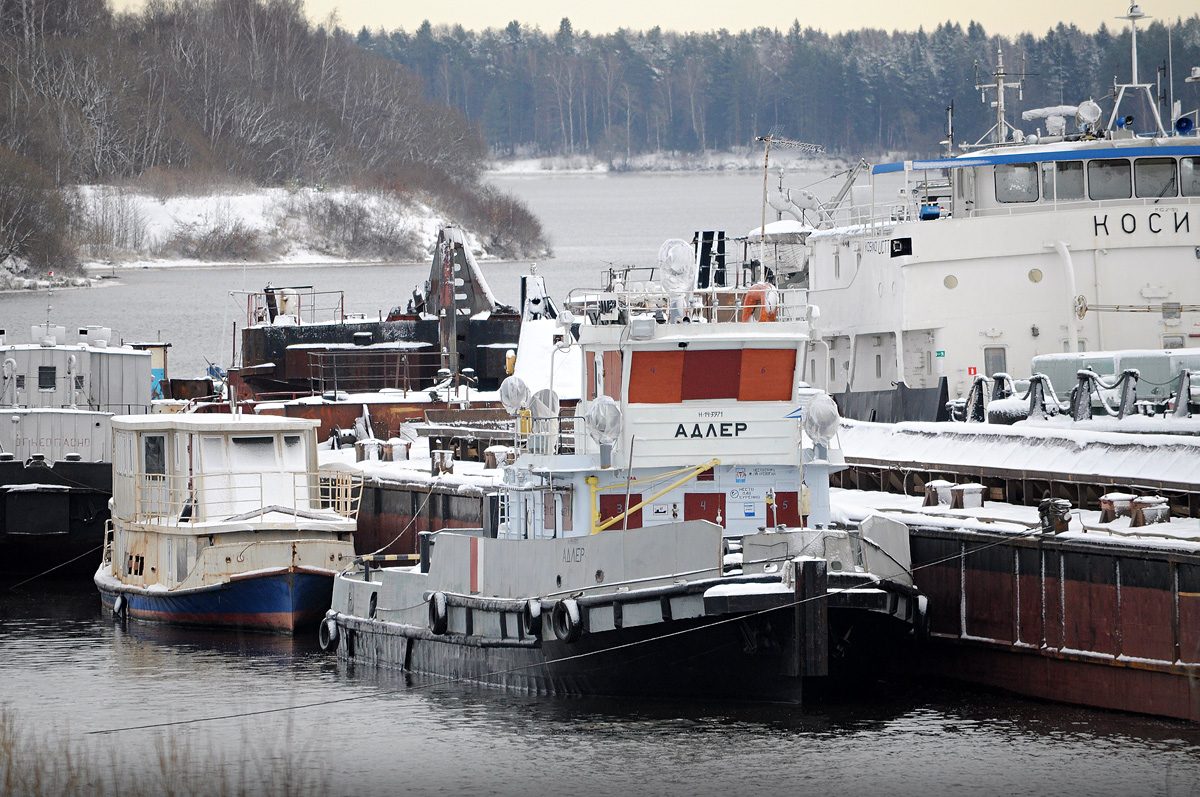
(224, 520)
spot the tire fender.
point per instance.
(531, 618)
(327, 634)
(438, 613)
(567, 625)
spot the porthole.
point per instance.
(950, 282)
(1035, 275)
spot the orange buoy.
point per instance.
(761, 303)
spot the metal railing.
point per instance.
(554, 434)
(366, 370)
(304, 304)
(208, 497)
(712, 305)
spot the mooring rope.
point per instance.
(449, 680)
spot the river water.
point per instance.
(259, 703)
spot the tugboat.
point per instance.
(224, 520)
(653, 543)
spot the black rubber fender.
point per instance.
(531, 618)
(438, 613)
(327, 634)
(921, 622)
(567, 624)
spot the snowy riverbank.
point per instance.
(742, 159)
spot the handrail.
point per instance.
(208, 497)
(709, 305)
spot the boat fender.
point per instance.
(120, 605)
(566, 620)
(327, 634)
(531, 618)
(921, 625)
(438, 613)
(760, 304)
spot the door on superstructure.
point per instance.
(155, 499)
(613, 505)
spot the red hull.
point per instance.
(1101, 624)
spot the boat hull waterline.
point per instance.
(280, 602)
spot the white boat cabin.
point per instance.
(684, 416)
(185, 483)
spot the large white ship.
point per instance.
(1081, 235)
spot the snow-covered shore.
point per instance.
(127, 227)
(743, 159)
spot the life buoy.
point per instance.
(566, 620)
(327, 634)
(761, 303)
(531, 618)
(438, 617)
(120, 606)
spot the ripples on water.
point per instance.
(66, 668)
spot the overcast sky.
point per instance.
(605, 16)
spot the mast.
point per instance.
(1134, 14)
(1001, 129)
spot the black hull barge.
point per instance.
(759, 636)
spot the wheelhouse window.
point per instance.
(293, 453)
(47, 377)
(1062, 180)
(253, 454)
(1155, 177)
(1189, 176)
(1016, 182)
(1109, 179)
(154, 453)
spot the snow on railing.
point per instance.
(217, 497)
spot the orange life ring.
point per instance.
(755, 305)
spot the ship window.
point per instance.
(767, 375)
(878, 366)
(711, 374)
(611, 378)
(154, 447)
(1189, 176)
(1172, 341)
(293, 453)
(832, 368)
(47, 377)
(1016, 182)
(1109, 179)
(1155, 177)
(253, 453)
(20, 381)
(656, 377)
(994, 360)
(1062, 180)
(79, 381)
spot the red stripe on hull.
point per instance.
(274, 622)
